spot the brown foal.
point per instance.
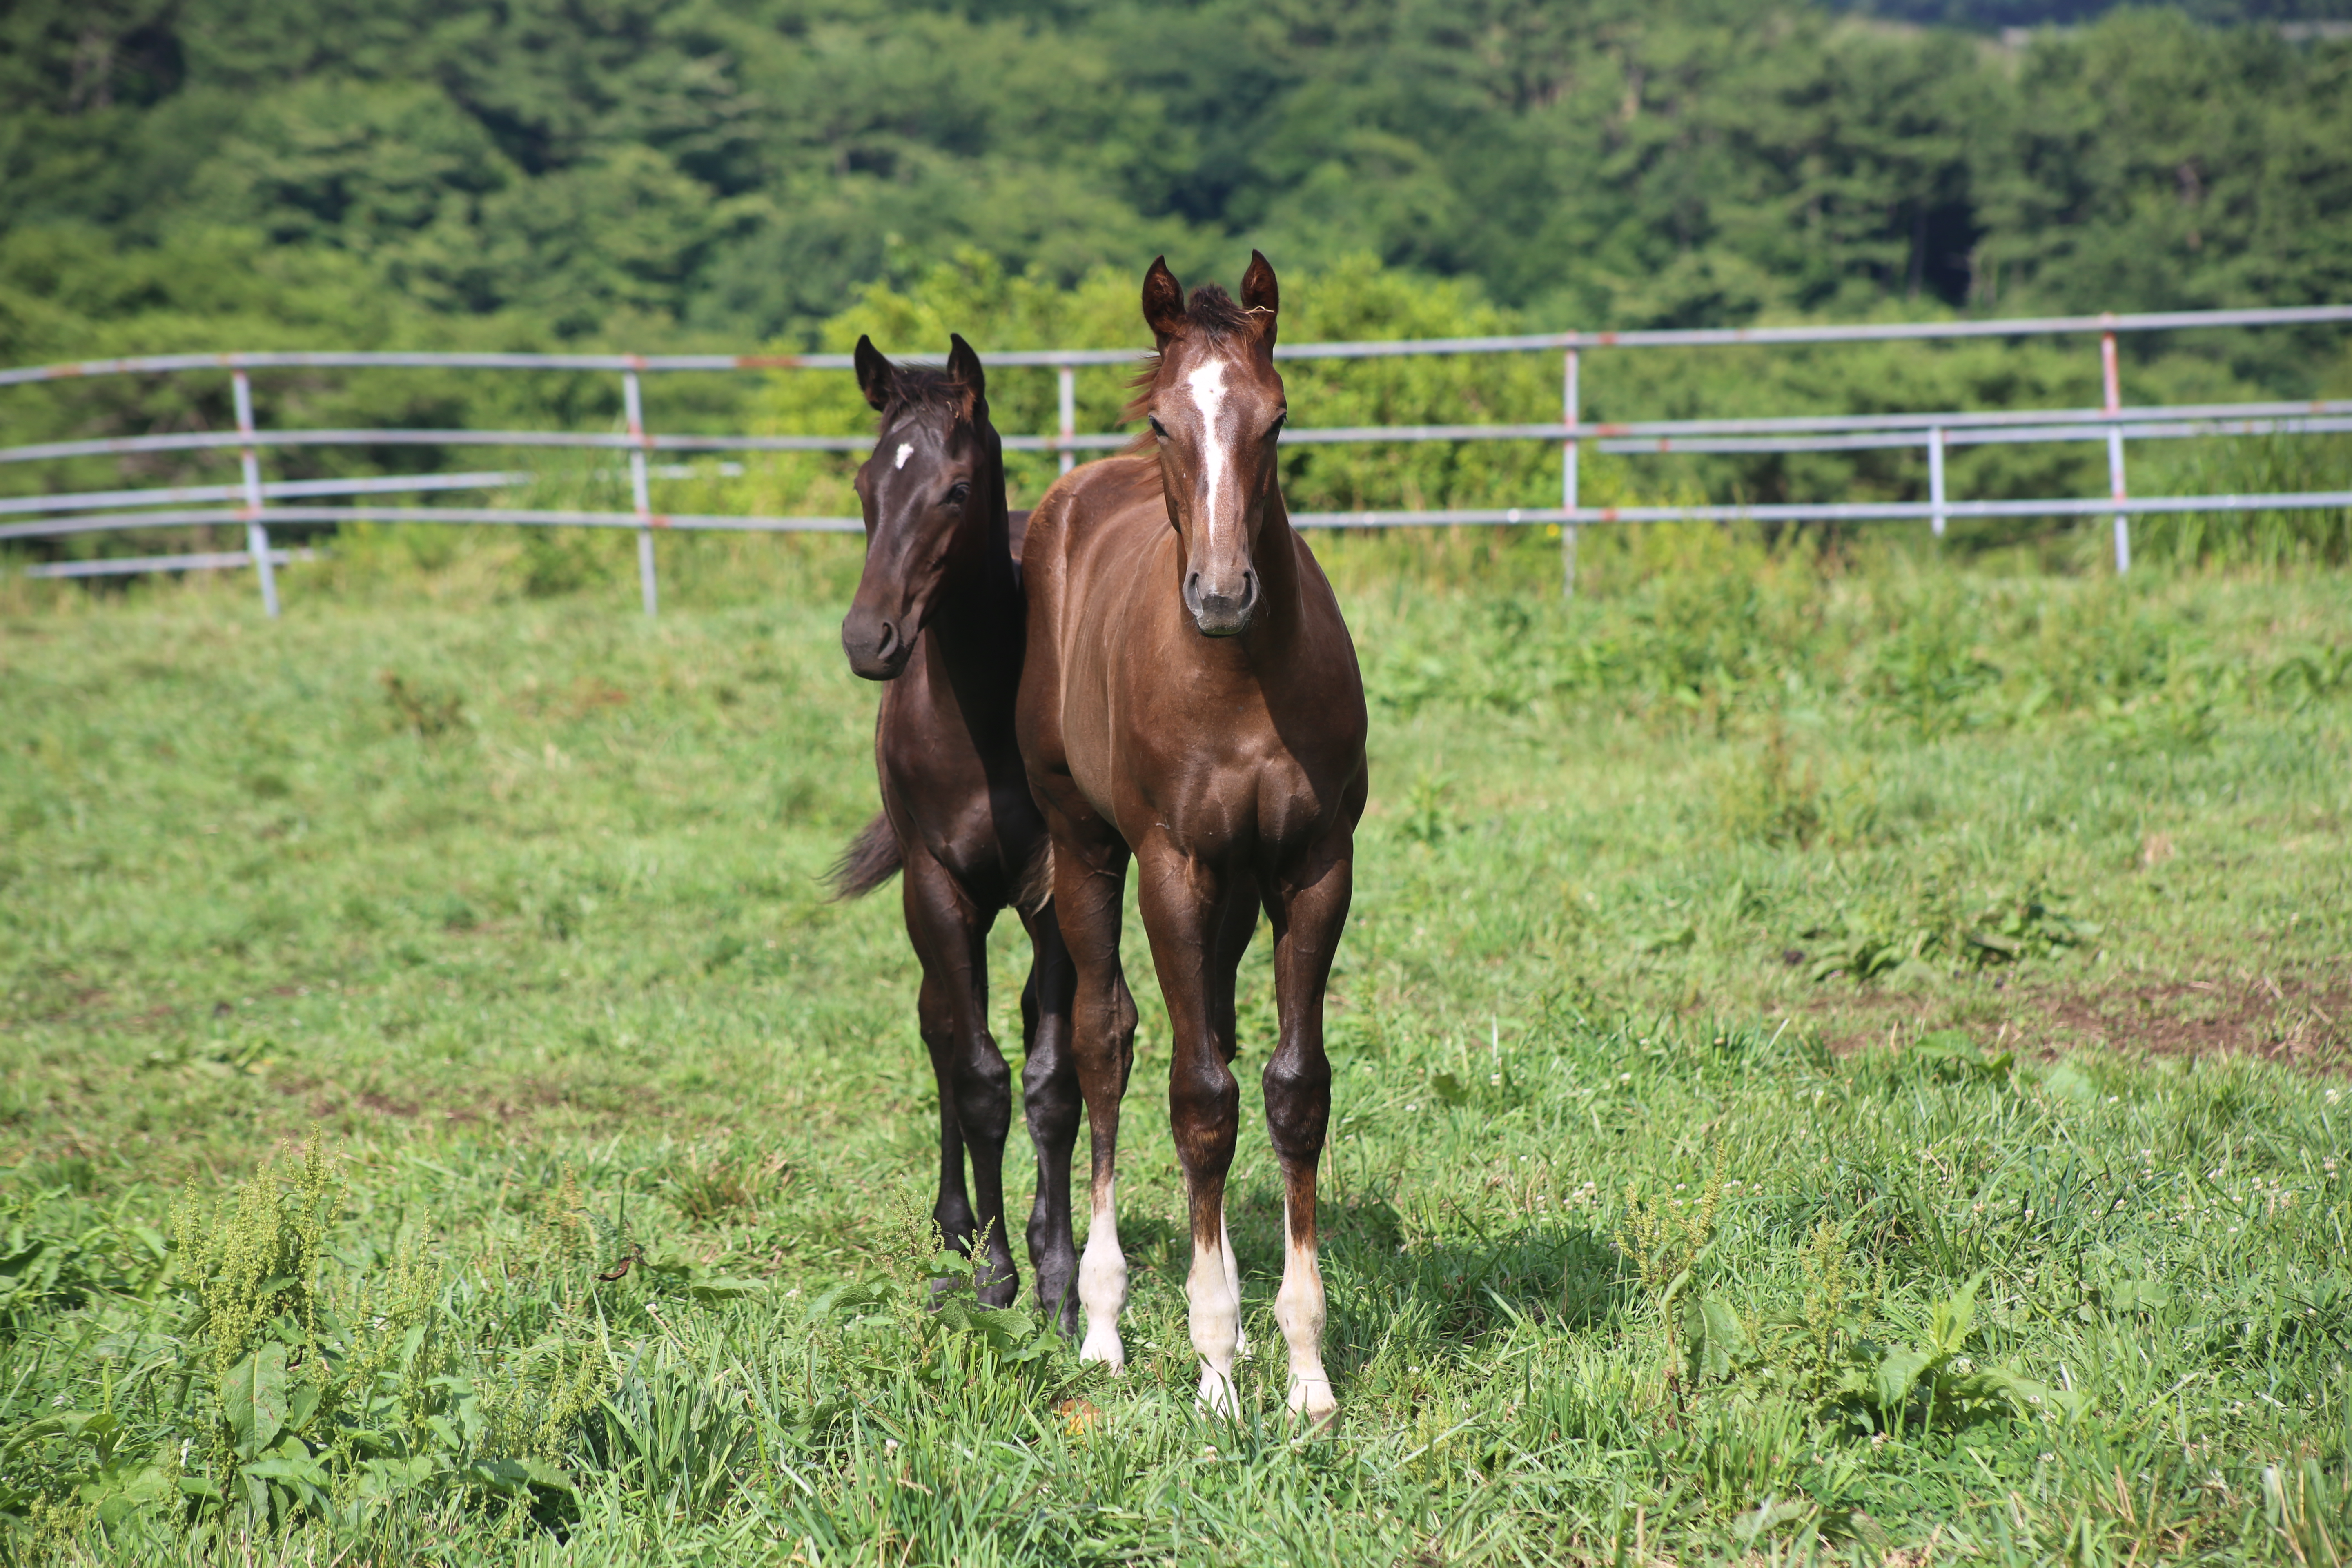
(1191, 700)
(939, 617)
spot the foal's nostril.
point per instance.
(1221, 609)
(877, 648)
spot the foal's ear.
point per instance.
(964, 365)
(1261, 292)
(877, 376)
(1163, 301)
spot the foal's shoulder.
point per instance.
(1075, 505)
(1114, 481)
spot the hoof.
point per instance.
(1217, 1396)
(1057, 1300)
(1313, 1401)
(1102, 1345)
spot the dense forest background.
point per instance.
(742, 168)
(185, 174)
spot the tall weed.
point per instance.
(2250, 465)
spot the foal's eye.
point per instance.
(1280, 420)
(1158, 428)
(959, 493)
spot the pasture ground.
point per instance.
(1836, 1056)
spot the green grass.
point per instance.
(1834, 1056)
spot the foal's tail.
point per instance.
(871, 859)
(1036, 885)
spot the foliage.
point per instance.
(255, 1268)
(1667, 1239)
(746, 166)
(2262, 465)
(1943, 923)
(57, 1254)
(2019, 14)
(336, 1403)
(1848, 1356)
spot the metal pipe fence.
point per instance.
(201, 561)
(396, 484)
(1932, 432)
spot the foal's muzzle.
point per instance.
(878, 647)
(1221, 609)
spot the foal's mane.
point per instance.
(916, 388)
(1212, 312)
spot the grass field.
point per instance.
(1836, 1055)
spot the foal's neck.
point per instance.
(1275, 556)
(978, 608)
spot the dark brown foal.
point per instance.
(939, 617)
(1191, 700)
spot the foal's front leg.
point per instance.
(1310, 910)
(1186, 910)
(1089, 880)
(1239, 925)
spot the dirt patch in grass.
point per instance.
(521, 1099)
(2300, 1017)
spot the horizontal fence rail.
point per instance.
(260, 503)
(1825, 511)
(388, 484)
(1697, 337)
(1788, 512)
(520, 517)
(1810, 433)
(202, 561)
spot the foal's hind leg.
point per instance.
(1310, 909)
(1049, 1085)
(950, 933)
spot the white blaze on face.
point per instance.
(1208, 384)
(906, 450)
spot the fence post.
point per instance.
(1068, 375)
(1935, 481)
(1568, 401)
(635, 401)
(257, 532)
(2115, 491)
